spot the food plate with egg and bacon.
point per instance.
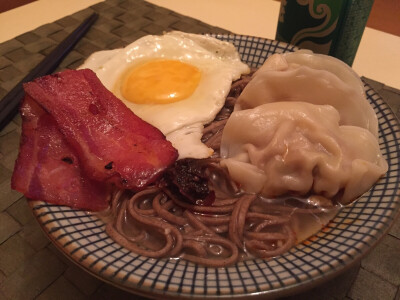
(259, 188)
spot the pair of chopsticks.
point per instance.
(9, 105)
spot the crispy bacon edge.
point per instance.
(48, 169)
(113, 144)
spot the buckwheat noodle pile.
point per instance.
(158, 223)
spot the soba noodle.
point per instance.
(158, 223)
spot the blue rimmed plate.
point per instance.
(344, 241)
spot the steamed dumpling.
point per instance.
(299, 148)
(313, 78)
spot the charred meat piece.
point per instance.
(188, 180)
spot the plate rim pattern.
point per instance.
(345, 240)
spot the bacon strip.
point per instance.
(47, 168)
(113, 144)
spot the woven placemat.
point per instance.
(120, 23)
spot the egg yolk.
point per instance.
(160, 82)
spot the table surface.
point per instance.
(377, 57)
(23, 246)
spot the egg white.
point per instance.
(182, 122)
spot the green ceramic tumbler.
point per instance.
(332, 27)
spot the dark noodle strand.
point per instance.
(146, 192)
(225, 202)
(260, 249)
(196, 222)
(197, 247)
(236, 225)
(115, 200)
(164, 213)
(123, 241)
(162, 227)
(221, 228)
(120, 220)
(214, 141)
(215, 262)
(120, 238)
(214, 220)
(200, 208)
(214, 127)
(187, 235)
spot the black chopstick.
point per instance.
(10, 103)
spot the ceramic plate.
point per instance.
(341, 243)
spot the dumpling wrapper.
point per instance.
(313, 78)
(299, 148)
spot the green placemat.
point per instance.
(120, 23)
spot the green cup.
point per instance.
(332, 27)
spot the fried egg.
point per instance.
(177, 82)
